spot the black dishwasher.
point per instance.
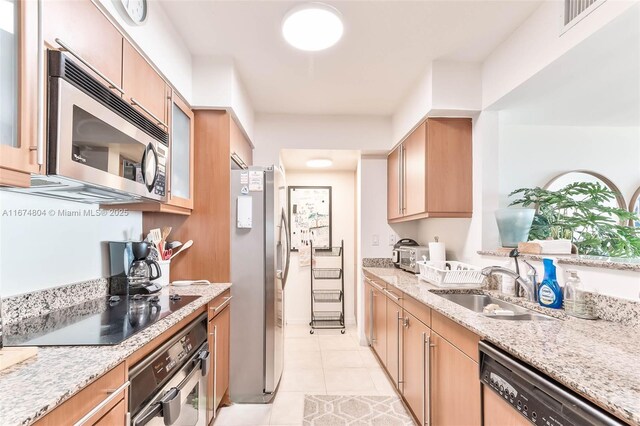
(535, 396)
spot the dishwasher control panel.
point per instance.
(535, 396)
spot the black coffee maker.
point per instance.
(131, 271)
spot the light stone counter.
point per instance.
(597, 359)
(34, 387)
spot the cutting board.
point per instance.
(12, 356)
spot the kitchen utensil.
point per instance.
(173, 245)
(166, 254)
(166, 230)
(155, 235)
(183, 248)
(186, 283)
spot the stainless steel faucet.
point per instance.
(528, 285)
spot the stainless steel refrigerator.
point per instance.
(260, 256)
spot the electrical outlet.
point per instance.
(376, 240)
(392, 239)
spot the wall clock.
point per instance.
(134, 11)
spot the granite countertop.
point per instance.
(35, 386)
(619, 263)
(598, 359)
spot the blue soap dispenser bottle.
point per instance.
(549, 292)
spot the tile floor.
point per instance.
(325, 363)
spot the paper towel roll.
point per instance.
(437, 253)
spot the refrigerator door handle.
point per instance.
(288, 257)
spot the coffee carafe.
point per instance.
(131, 269)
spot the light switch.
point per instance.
(376, 240)
(392, 239)
(244, 213)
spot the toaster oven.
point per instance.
(409, 255)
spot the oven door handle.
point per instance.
(169, 406)
(203, 360)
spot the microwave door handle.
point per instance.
(145, 156)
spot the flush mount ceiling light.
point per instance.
(312, 27)
(319, 163)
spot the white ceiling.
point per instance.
(343, 160)
(597, 83)
(385, 47)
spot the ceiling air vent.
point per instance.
(575, 10)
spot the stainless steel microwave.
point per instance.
(99, 148)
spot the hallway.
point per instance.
(323, 363)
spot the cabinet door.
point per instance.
(368, 310)
(499, 413)
(394, 342)
(115, 416)
(414, 167)
(19, 97)
(221, 329)
(181, 179)
(82, 27)
(415, 373)
(143, 86)
(241, 149)
(454, 378)
(394, 178)
(449, 169)
(380, 324)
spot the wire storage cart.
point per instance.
(324, 293)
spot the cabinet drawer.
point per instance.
(418, 310)
(219, 303)
(88, 399)
(115, 416)
(374, 281)
(459, 336)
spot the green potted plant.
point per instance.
(581, 212)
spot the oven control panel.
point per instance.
(172, 358)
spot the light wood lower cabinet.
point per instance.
(499, 413)
(219, 341)
(368, 310)
(454, 381)
(415, 375)
(394, 342)
(93, 403)
(379, 343)
(116, 416)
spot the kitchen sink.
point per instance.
(477, 303)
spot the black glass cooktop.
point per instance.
(105, 321)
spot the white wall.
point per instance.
(343, 222)
(38, 252)
(537, 43)
(274, 132)
(531, 155)
(160, 42)
(218, 85)
(374, 211)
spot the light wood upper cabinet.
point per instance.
(18, 115)
(84, 29)
(415, 169)
(429, 173)
(394, 203)
(144, 87)
(182, 154)
(241, 148)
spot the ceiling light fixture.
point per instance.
(312, 27)
(319, 163)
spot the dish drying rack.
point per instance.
(452, 275)
(322, 296)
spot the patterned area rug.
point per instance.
(339, 410)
